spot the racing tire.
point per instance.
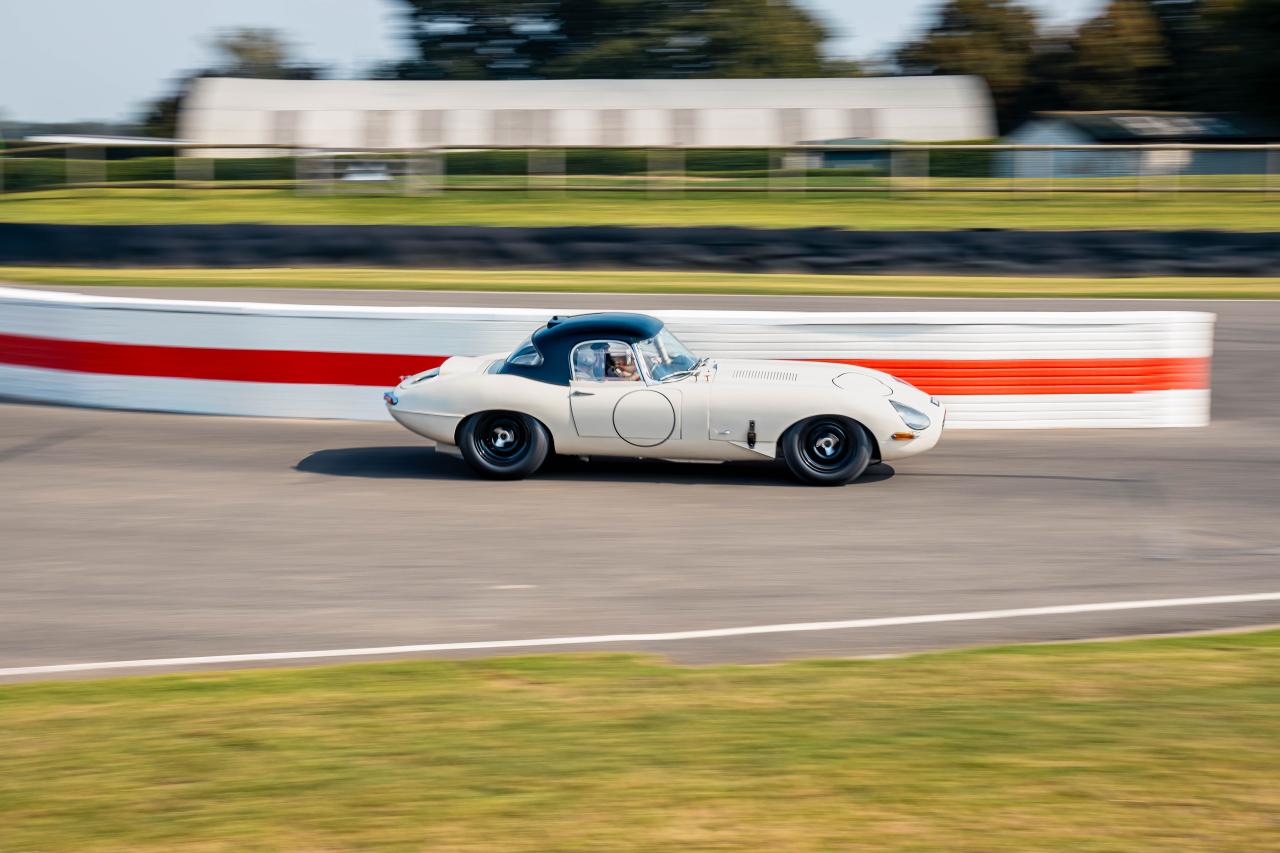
(827, 450)
(503, 445)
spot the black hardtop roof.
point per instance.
(620, 325)
(560, 335)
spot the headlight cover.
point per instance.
(913, 418)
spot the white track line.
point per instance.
(668, 636)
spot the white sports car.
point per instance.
(615, 384)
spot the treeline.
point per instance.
(1207, 55)
(1210, 55)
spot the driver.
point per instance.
(620, 366)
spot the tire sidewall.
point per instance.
(528, 462)
(793, 453)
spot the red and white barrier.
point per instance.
(993, 369)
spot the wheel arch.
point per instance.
(875, 443)
(457, 430)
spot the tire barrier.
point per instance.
(997, 370)
(798, 250)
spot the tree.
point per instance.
(1233, 60)
(532, 39)
(994, 39)
(1120, 60)
(1209, 55)
(241, 52)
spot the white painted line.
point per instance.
(663, 637)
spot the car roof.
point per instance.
(624, 326)
(560, 334)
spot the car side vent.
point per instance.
(767, 375)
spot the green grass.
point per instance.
(875, 211)
(578, 281)
(1169, 744)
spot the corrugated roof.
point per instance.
(1138, 126)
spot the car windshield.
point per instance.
(664, 355)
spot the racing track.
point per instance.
(131, 535)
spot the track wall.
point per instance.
(995, 370)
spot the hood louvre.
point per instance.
(765, 374)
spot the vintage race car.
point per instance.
(620, 384)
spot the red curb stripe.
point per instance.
(949, 377)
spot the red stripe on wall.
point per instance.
(234, 365)
(948, 377)
(1043, 375)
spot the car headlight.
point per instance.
(911, 417)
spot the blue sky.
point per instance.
(88, 59)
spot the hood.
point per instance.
(808, 373)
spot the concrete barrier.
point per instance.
(994, 370)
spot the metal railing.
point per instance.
(854, 168)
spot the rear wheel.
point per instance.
(827, 450)
(503, 445)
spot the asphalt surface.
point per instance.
(132, 535)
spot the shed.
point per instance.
(1134, 127)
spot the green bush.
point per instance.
(29, 173)
(602, 161)
(961, 164)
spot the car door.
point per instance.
(609, 397)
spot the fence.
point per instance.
(870, 168)
(993, 370)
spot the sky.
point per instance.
(78, 60)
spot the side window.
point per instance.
(604, 361)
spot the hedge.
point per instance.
(27, 173)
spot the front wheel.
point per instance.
(503, 445)
(827, 450)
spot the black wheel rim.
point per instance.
(828, 444)
(502, 439)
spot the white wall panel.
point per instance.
(1014, 369)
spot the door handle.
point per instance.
(577, 393)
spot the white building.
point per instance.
(388, 114)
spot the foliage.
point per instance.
(242, 52)
(529, 39)
(29, 173)
(1116, 57)
(994, 39)
(1206, 55)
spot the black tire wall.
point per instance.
(797, 250)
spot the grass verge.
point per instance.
(578, 281)
(909, 211)
(1147, 744)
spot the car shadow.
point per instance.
(423, 463)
